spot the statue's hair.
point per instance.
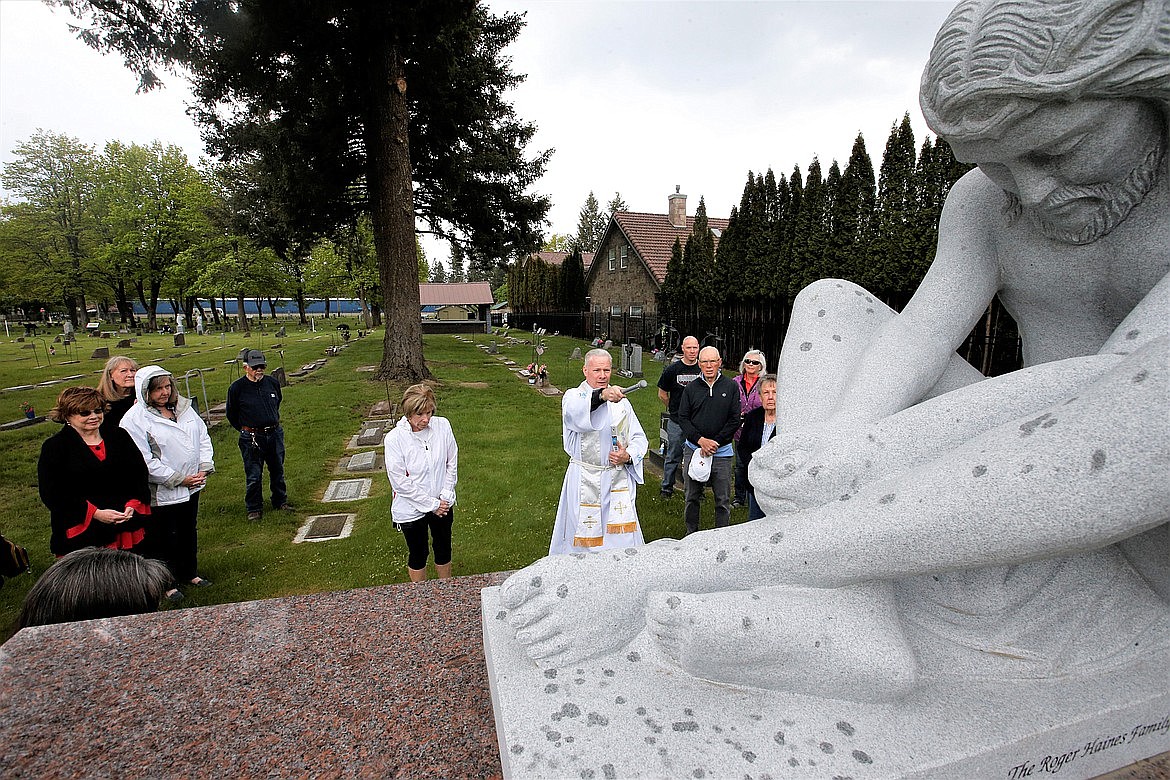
(95, 582)
(995, 61)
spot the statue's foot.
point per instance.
(841, 643)
(566, 608)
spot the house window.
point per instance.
(625, 250)
(635, 311)
(612, 260)
(616, 310)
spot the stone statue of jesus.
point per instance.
(924, 521)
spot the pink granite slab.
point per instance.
(378, 682)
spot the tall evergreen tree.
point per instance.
(320, 91)
(892, 248)
(591, 225)
(698, 265)
(616, 203)
(672, 296)
(855, 204)
(456, 273)
(809, 233)
(572, 283)
(438, 273)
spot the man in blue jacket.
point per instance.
(253, 409)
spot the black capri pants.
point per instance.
(416, 538)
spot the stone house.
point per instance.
(630, 263)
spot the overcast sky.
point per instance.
(635, 97)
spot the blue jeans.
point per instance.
(720, 483)
(674, 454)
(754, 510)
(741, 478)
(260, 450)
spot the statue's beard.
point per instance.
(1116, 200)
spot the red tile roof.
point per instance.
(652, 236)
(459, 294)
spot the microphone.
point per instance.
(636, 386)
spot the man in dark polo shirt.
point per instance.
(253, 409)
(671, 384)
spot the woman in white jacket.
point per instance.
(174, 442)
(422, 465)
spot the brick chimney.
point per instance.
(677, 208)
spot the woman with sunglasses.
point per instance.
(94, 484)
(753, 366)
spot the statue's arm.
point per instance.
(909, 352)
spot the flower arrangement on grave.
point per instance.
(28, 409)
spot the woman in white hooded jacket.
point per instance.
(422, 463)
(173, 440)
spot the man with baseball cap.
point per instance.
(253, 409)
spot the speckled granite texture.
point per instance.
(379, 682)
(633, 714)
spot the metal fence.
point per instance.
(993, 346)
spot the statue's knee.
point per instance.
(839, 302)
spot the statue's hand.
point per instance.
(566, 608)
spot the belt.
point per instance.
(265, 429)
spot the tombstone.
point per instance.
(362, 461)
(280, 334)
(106, 334)
(607, 345)
(636, 361)
(280, 376)
(382, 409)
(180, 340)
(370, 436)
(124, 343)
(494, 349)
(57, 339)
(347, 490)
(102, 353)
(576, 354)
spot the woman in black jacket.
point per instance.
(93, 482)
(759, 426)
(117, 387)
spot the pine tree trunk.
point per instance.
(392, 209)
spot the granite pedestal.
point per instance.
(634, 714)
(378, 682)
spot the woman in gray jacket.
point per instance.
(174, 442)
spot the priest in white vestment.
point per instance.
(606, 446)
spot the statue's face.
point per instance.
(1069, 164)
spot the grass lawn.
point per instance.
(510, 462)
